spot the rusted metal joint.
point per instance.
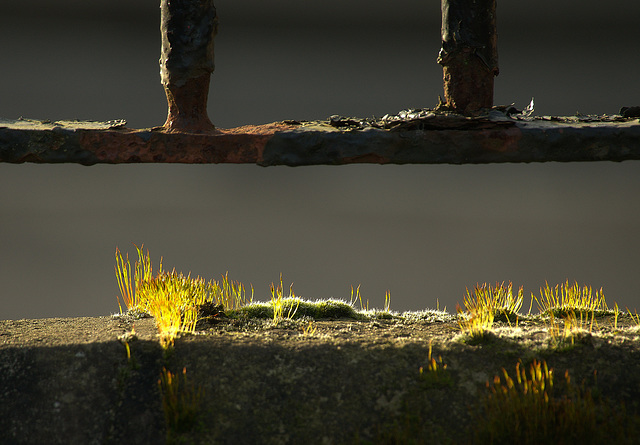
(188, 29)
(469, 54)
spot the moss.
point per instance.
(253, 310)
(321, 309)
(506, 316)
(535, 409)
(335, 309)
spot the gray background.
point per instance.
(424, 233)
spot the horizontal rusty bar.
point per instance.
(430, 140)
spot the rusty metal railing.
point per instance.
(464, 128)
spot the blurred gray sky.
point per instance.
(579, 14)
(422, 232)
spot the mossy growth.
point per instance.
(171, 298)
(498, 299)
(486, 305)
(476, 324)
(317, 310)
(178, 302)
(331, 309)
(565, 299)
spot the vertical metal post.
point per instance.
(469, 54)
(188, 29)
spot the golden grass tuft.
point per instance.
(387, 301)
(173, 301)
(476, 323)
(231, 294)
(498, 299)
(564, 299)
(280, 303)
(635, 317)
(123, 276)
(172, 298)
(364, 307)
(485, 305)
(573, 325)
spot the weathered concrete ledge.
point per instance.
(429, 139)
(94, 381)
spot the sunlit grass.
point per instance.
(125, 282)
(172, 298)
(635, 317)
(128, 284)
(173, 301)
(498, 299)
(485, 305)
(476, 323)
(231, 294)
(564, 299)
(387, 302)
(573, 325)
(282, 305)
(357, 297)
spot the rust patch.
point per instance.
(188, 106)
(264, 129)
(237, 145)
(369, 158)
(188, 29)
(503, 140)
(469, 54)
(468, 84)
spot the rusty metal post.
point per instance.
(469, 54)
(188, 29)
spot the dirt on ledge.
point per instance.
(68, 381)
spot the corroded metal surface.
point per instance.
(188, 30)
(469, 54)
(425, 139)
